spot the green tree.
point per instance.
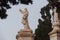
(4, 5)
(45, 25)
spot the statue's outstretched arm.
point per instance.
(21, 11)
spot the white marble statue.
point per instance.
(25, 18)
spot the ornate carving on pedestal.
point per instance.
(26, 33)
(55, 33)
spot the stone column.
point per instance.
(55, 33)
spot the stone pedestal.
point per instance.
(25, 34)
(55, 36)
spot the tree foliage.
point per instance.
(54, 3)
(45, 25)
(4, 5)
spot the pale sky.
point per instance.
(10, 26)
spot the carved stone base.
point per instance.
(25, 34)
(55, 36)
